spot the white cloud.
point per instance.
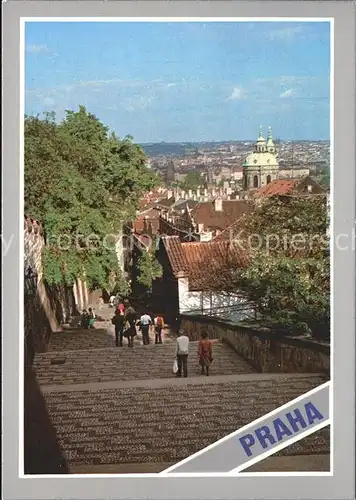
(36, 49)
(237, 94)
(287, 94)
(285, 33)
(49, 101)
(95, 83)
(137, 103)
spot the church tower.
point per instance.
(170, 173)
(261, 166)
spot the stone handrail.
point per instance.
(265, 351)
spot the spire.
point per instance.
(270, 143)
(261, 143)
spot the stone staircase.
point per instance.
(166, 424)
(123, 364)
(122, 410)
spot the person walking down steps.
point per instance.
(84, 323)
(182, 351)
(205, 353)
(92, 317)
(118, 321)
(130, 324)
(145, 323)
(159, 325)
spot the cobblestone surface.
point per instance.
(154, 423)
(164, 425)
(141, 362)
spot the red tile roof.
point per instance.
(152, 197)
(277, 188)
(205, 213)
(209, 262)
(229, 232)
(147, 221)
(175, 255)
(283, 187)
(204, 263)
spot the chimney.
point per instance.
(310, 189)
(190, 194)
(182, 195)
(205, 193)
(169, 194)
(213, 192)
(198, 193)
(200, 228)
(218, 205)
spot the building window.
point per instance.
(255, 181)
(268, 179)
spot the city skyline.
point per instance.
(185, 81)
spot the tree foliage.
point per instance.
(192, 180)
(149, 268)
(84, 184)
(323, 177)
(290, 226)
(288, 275)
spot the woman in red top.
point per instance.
(205, 353)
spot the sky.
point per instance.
(184, 81)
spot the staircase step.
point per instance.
(145, 425)
(75, 339)
(139, 363)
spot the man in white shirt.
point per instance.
(182, 351)
(145, 322)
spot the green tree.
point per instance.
(192, 180)
(288, 271)
(324, 177)
(84, 184)
(149, 268)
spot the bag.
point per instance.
(175, 366)
(127, 325)
(91, 321)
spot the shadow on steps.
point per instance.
(42, 453)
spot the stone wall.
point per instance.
(50, 305)
(265, 351)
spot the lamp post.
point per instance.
(30, 289)
(31, 278)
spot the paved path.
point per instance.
(167, 424)
(177, 382)
(299, 463)
(117, 364)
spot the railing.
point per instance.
(265, 351)
(233, 313)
